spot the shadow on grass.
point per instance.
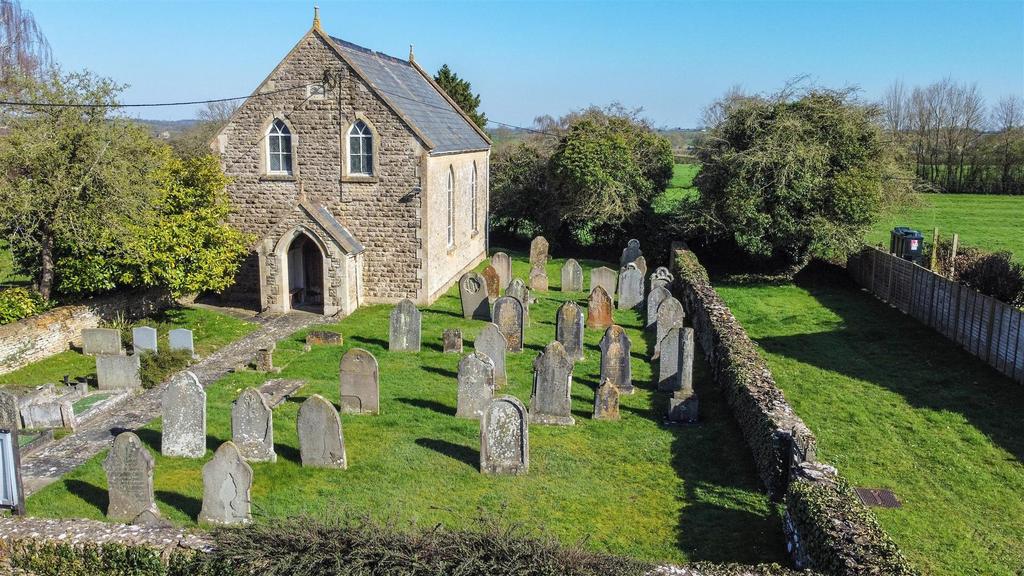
(213, 442)
(288, 453)
(463, 454)
(443, 313)
(187, 505)
(429, 405)
(440, 371)
(150, 438)
(383, 344)
(90, 493)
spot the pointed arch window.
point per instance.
(360, 150)
(473, 199)
(279, 148)
(451, 207)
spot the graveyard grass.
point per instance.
(631, 487)
(895, 405)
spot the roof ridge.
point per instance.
(364, 49)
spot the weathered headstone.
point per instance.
(641, 264)
(518, 290)
(265, 359)
(599, 308)
(227, 483)
(452, 341)
(503, 265)
(655, 297)
(359, 382)
(508, 315)
(538, 252)
(670, 315)
(129, 468)
(404, 328)
(473, 291)
(630, 253)
(184, 413)
(493, 282)
(615, 359)
(572, 276)
(144, 339)
(661, 278)
(116, 372)
(319, 337)
(631, 287)
(605, 278)
(9, 419)
(538, 279)
(101, 341)
(504, 437)
(670, 360)
(551, 402)
(492, 343)
(569, 329)
(606, 402)
(321, 440)
(53, 413)
(278, 390)
(252, 427)
(181, 339)
(476, 385)
(684, 405)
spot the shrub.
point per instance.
(996, 275)
(58, 559)
(18, 303)
(157, 367)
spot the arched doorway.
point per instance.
(305, 265)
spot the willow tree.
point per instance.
(24, 50)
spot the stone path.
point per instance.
(48, 464)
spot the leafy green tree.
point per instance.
(462, 92)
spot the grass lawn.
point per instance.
(7, 275)
(210, 331)
(633, 487)
(898, 406)
(679, 188)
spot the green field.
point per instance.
(7, 274)
(633, 487)
(896, 405)
(680, 187)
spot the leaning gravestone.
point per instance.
(631, 287)
(508, 315)
(606, 402)
(605, 278)
(503, 265)
(9, 411)
(599, 308)
(404, 328)
(129, 468)
(641, 264)
(655, 297)
(538, 252)
(321, 441)
(101, 341)
(451, 341)
(569, 329)
(683, 406)
(473, 291)
(615, 359)
(116, 372)
(144, 339)
(252, 427)
(551, 402)
(572, 276)
(359, 382)
(670, 315)
(493, 282)
(184, 412)
(504, 437)
(630, 253)
(492, 343)
(181, 339)
(538, 279)
(227, 483)
(476, 385)
(661, 278)
(670, 360)
(518, 290)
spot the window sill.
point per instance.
(474, 234)
(277, 178)
(361, 179)
(451, 250)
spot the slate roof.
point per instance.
(416, 98)
(338, 232)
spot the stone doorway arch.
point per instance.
(306, 285)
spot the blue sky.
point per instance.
(533, 58)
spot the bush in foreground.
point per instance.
(18, 303)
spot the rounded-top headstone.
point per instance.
(503, 266)
(252, 426)
(630, 253)
(504, 437)
(599, 308)
(551, 400)
(227, 485)
(493, 282)
(615, 359)
(572, 276)
(631, 287)
(569, 329)
(321, 440)
(670, 315)
(538, 252)
(492, 343)
(184, 417)
(508, 316)
(476, 385)
(604, 277)
(473, 291)
(404, 328)
(657, 295)
(129, 468)
(359, 382)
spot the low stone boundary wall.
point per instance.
(32, 339)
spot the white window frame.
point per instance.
(451, 207)
(284, 135)
(473, 201)
(366, 147)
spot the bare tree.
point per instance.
(895, 110)
(23, 47)
(1008, 121)
(218, 113)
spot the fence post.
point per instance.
(952, 256)
(934, 262)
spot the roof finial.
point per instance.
(412, 57)
(316, 16)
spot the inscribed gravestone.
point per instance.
(538, 252)
(144, 339)
(569, 329)
(670, 315)
(630, 253)
(657, 295)
(476, 385)
(615, 359)
(252, 427)
(508, 315)
(504, 437)
(324, 337)
(321, 440)
(181, 339)
(661, 277)
(101, 341)
(503, 265)
(492, 281)
(492, 343)
(473, 291)
(404, 328)
(227, 483)
(670, 360)
(631, 287)
(8, 411)
(538, 279)
(129, 468)
(518, 290)
(606, 402)
(572, 276)
(605, 278)
(599, 308)
(550, 402)
(184, 412)
(116, 372)
(452, 341)
(684, 405)
(359, 382)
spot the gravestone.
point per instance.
(473, 291)
(641, 264)
(606, 402)
(550, 402)
(508, 316)
(252, 427)
(278, 390)
(321, 441)
(661, 278)
(504, 437)
(265, 359)
(605, 278)
(101, 341)
(116, 372)
(684, 405)
(655, 297)
(144, 339)
(670, 315)
(129, 468)
(476, 385)
(404, 328)
(572, 276)
(631, 287)
(9, 419)
(615, 359)
(630, 253)
(538, 279)
(452, 341)
(670, 360)
(569, 329)
(184, 412)
(518, 290)
(493, 283)
(181, 339)
(359, 382)
(227, 483)
(538, 252)
(320, 337)
(503, 265)
(492, 343)
(599, 308)
(54, 413)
